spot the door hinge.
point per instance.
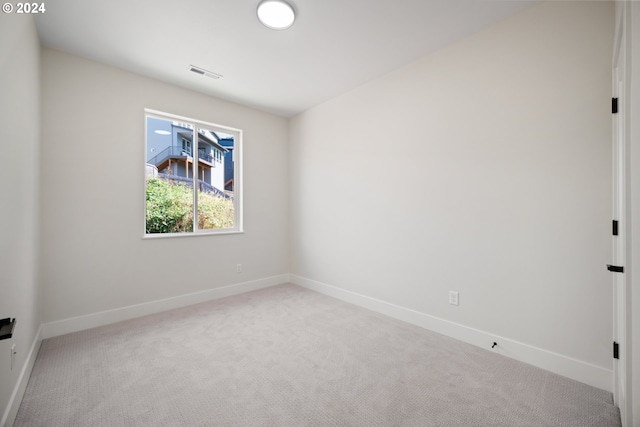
(615, 228)
(616, 350)
(614, 105)
(615, 268)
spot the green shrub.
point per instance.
(170, 208)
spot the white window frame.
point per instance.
(237, 176)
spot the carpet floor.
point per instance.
(287, 356)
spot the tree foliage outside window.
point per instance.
(170, 208)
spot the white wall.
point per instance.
(19, 151)
(501, 191)
(93, 255)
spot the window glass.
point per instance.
(192, 171)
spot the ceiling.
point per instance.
(334, 45)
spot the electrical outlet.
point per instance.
(453, 297)
(13, 356)
(238, 268)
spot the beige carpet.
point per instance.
(286, 356)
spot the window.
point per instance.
(180, 187)
(186, 145)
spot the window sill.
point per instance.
(198, 234)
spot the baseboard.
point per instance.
(557, 363)
(11, 411)
(75, 324)
(578, 370)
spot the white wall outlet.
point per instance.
(13, 356)
(453, 298)
(238, 268)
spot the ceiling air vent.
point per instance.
(204, 72)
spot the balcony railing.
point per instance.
(203, 186)
(177, 152)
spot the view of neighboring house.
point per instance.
(170, 155)
(228, 142)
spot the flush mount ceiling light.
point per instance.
(276, 14)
